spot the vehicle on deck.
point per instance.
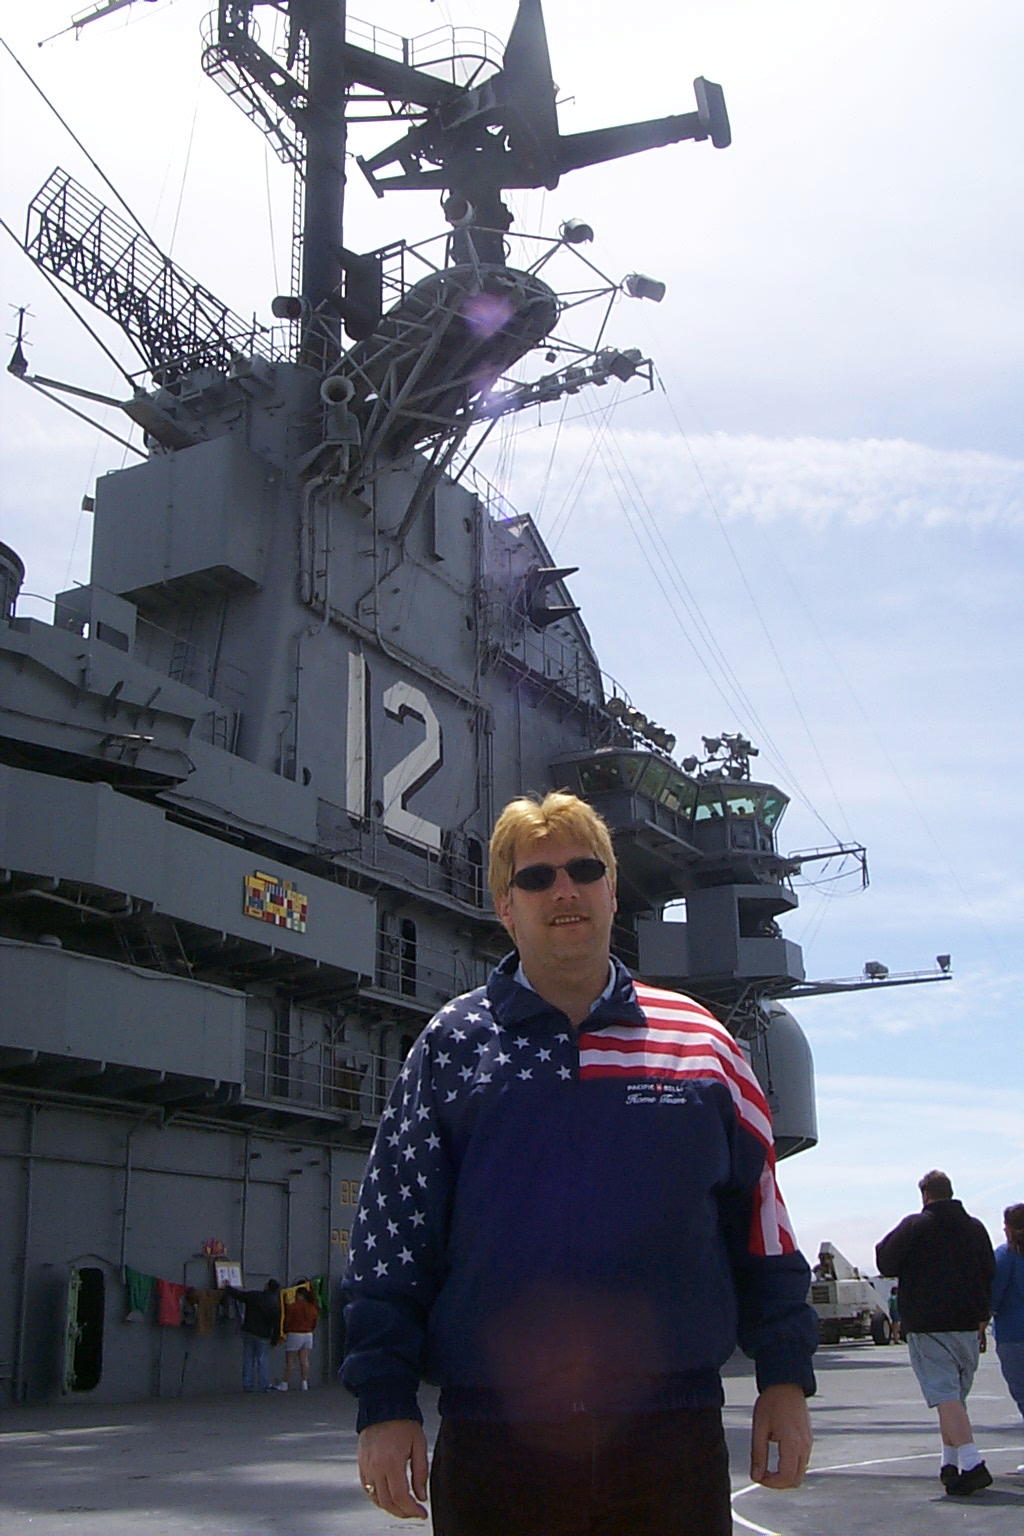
(849, 1305)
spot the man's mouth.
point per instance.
(560, 922)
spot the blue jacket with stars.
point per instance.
(554, 1222)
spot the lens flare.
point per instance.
(486, 313)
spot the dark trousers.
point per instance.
(652, 1474)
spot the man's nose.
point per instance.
(564, 885)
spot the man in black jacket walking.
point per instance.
(943, 1260)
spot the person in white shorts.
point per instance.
(300, 1320)
(942, 1258)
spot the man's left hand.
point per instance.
(781, 1418)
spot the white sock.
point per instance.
(947, 1456)
(967, 1456)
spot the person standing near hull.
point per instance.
(1008, 1305)
(260, 1331)
(300, 1320)
(569, 1217)
(942, 1258)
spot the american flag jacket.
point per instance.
(553, 1222)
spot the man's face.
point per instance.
(568, 922)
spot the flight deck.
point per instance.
(284, 1464)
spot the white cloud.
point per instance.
(807, 482)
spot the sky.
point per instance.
(809, 532)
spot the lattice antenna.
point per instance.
(174, 323)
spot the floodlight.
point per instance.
(943, 962)
(286, 306)
(639, 286)
(575, 232)
(621, 365)
(875, 970)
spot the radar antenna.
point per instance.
(174, 323)
(504, 134)
(471, 140)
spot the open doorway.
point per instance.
(83, 1329)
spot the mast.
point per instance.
(323, 22)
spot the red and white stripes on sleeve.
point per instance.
(680, 1040)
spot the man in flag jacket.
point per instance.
(568, 1221)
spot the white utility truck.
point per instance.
(848, 1304)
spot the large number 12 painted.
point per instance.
(401, 702)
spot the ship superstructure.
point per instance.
(248, 773)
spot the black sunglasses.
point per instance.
(541, 877)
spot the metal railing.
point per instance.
(353, 1084)
(425, 975)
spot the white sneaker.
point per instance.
(280, 1386)
(305, 1386)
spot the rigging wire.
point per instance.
(67, 127)
(80, 318)
(910, 797)
(746, 704)
(620, 492)
(184, 177)
(542, 493)
(814, 921)
(740, 699)
(751, 594)
(563, 516)
(270, 215)
(83, 417)
(662, 563)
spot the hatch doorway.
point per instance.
(83, 1329)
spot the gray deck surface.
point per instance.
(284, 1464)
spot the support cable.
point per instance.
(184, 179)
(751, 594)
(741, 699)
(67, 127)
(80, 318)
(83, 417)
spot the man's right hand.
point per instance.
(393, 1455)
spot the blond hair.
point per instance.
(527, 820)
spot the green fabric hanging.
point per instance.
(140, 1293)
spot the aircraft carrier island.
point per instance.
(248, 772)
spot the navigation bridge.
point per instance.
(710, 841)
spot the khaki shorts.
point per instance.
(944, 1364)
(296, 1341)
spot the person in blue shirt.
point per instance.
(1008, 1305)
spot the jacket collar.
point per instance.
(514, 1004)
